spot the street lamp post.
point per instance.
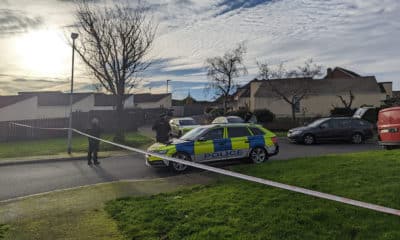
(168, 84)
(74, 36)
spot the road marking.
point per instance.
(267, 182)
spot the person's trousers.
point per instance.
(92, 155)
(92, 151)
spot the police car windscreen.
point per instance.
(193, 134)
(187, 122)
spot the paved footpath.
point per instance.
(25, 179)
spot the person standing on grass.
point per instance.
(95, 131)
(162, 129)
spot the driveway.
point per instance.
(26, 179)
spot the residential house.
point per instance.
(323, 93)
(17, 107)
(151, 101)
(108, 102)
(55, 104)
(189, 106)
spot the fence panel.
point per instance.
(132, 119)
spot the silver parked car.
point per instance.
(227, 119)
(180, 126)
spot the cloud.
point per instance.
(232, 5)
(40, 81)
(13, 84)
(360, 35)
(13, 22)
(171, 67)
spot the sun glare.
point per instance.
(43, 53)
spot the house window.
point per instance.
(297, 105)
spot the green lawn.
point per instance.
(59, 145)
(235, 209)
(3, 230)
(79, 213)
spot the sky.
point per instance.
(360, 35)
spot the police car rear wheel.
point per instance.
(178, 167)
(258, 155)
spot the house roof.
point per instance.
(325, 86)
(9, 100)
(244, 91)
(147, 97)
(348, 72)
(55, 98)
(101, 99)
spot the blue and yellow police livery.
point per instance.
(217, 142)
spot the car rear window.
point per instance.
(256, 131)
(238, 132)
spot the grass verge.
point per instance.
(234, 209)
(58, 145)
(79, 213)
(3, 230)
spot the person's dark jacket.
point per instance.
(162, 129)
(95, 131)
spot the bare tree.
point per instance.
(222, 72)
(114, 43)
(347, 103)
(290, 85)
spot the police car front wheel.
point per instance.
(258, 155)
(178, 167)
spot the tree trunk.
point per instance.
(293, 111)
(225, 105)
(119, 134)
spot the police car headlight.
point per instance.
(161, 151)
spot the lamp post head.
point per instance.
(74, 36)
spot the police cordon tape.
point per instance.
(305, 191)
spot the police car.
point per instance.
(216, 143)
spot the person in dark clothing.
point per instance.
(93, 143)
(162, 129)
(250, 118)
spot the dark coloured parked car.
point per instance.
(332, 129)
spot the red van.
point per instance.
(389, 127)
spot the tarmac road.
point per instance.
(27, 179)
